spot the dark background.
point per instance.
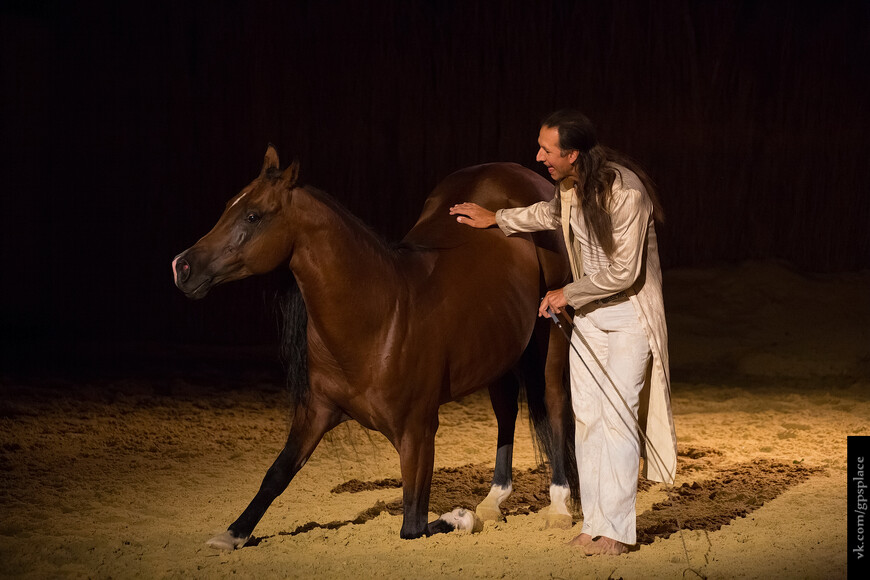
(126, 126)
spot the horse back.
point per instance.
(493, 186)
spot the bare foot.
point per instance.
(605, 547)
(581, 540)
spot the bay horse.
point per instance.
(392, 333)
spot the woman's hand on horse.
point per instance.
(473, 215)
(554, 299)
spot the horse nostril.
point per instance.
(182, 270)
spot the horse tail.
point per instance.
(293, 320)
(547, 445)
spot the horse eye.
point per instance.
(252, 218)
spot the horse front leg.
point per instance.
(416, 447)
(503, 395)
(310, 423)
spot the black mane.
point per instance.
(292, 312)
(293, 320)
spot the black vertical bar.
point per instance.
(858, 454)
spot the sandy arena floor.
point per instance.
(128, 477)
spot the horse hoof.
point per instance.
(462, 519)
(560, 521)
(489, 514)
(226, 542)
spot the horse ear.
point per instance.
(291, 174)
(271, 159)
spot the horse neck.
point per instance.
(337, 261)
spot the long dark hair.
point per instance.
(596, 177)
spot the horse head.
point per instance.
(250, 237)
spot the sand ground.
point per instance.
(127, 476)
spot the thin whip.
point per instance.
(640, 430)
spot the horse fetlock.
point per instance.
(409, 535)
(499, 493)
(227, 541)
(557, 514)
(559, 496)
(490, 508)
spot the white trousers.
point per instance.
(607, 439)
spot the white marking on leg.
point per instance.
(559, 495)
(489, 508)
(226, 542)
(497, 494)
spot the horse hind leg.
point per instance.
(550, 409)
(557, 399)
(503, 395)
(310, 423)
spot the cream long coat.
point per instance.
(634, 268)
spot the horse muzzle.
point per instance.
(180, 270)
(195, 287)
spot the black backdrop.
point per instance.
(127, 125)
